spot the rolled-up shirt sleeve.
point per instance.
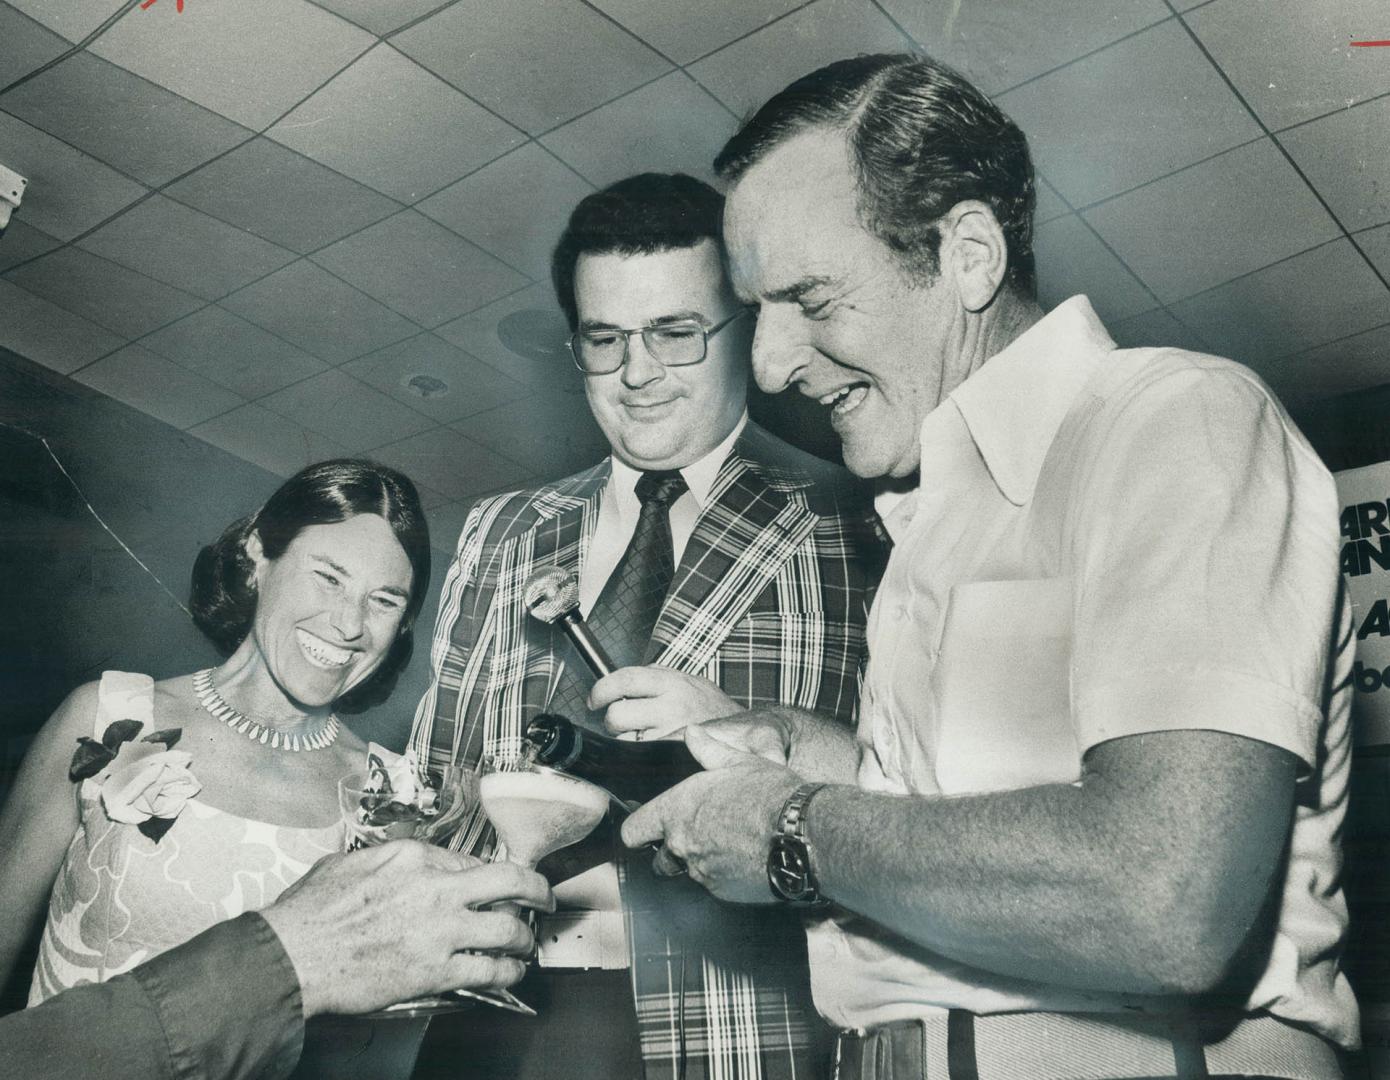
(1205, 557)
(224, 1006)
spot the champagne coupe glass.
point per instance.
(536, 810)
(374, 812)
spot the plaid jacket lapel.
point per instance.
(494, 665)
(748, 529)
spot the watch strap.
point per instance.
(789, 840)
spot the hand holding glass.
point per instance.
(375, 813)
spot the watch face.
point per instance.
(789, 869)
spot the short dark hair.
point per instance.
(222, 595)
(922, 138)
(640, 215)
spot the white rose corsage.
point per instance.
(144, 782)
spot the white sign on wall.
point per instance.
(1365, 522)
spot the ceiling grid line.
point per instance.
(1196, 40)
(80, 46)
(1333, 112)
(1097, 203)
(1084, 56)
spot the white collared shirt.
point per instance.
(1104, 543)
(619, 509)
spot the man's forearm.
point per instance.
(224, 1005)
(821, 748)
(1144, 885)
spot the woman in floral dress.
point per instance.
(147, 811)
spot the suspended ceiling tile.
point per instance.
(48, 335)
(28, 46)
(1346, 156)
(451, 463)
(681, 130)
(1376, 244)
(233, 353)
(138, 127)
(751, 70)
(516, 207)
(157, 386)
(347, 411)
(23, 242)
(1155, 329)
(693, 28)
(1291, 59)
(68, 191)
(310, 308)
(74, 19)
(477, 334)
(249, 61)
(1072, 260)
(179, 246)
(1050, 204)
(380, 16)
(267, 439)
(435, 378)
(419, 268)
(282, 196)
(1353, 363)
(1313, 298)
(1128, 114)
(537, 63)
(1000, 45)
(1215, 221)
(389, 123)
(110, 295)
(572, 439)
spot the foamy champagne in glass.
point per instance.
(536, 811)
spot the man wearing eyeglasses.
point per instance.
(721, 569)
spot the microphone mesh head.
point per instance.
(551, 593)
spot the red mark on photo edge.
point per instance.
(147, 4)
(1354, 44)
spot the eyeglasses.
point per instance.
(671, 344)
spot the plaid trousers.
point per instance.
(769, 602)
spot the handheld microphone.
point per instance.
(552, 596)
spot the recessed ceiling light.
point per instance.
(425, 386)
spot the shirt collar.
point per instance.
(699, 475)
(1015, 403)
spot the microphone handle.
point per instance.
(582, 638)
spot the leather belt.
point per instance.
(959, 1045)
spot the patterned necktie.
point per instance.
(625, 613)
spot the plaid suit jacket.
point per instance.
(769, 602)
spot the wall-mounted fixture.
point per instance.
(11, 191)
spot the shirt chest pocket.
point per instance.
(1000, 687)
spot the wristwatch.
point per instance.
(789, 860)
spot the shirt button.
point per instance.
(900, 612)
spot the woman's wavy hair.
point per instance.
(922, 138)
(222, 595)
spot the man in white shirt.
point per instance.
(1089, 827)
(763, 560)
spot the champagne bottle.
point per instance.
(633, 772)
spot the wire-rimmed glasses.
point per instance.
(673, 343)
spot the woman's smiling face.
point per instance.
(329, 608)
